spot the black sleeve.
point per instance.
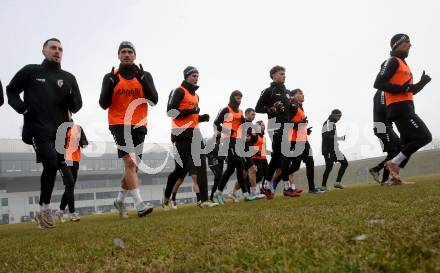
(387, 70)
(83, 142)
(220, 119)
(174, 100)
(75, 102)
(2, 100)
(263, 106)
(149, 88)
(17, 85)
(105, 99)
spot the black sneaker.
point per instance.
(375, 174)
(315, 191)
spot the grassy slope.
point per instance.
(307, 234)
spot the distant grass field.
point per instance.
(401, 228)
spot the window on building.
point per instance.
(31, 200)
(84, 196)
(107, 195)
(56, 198)
(185, 189)
(105, 208)
(4, 202)
(37, 199)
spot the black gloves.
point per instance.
(195, 110)
(114, 78)
(140, 75)
(424, 80)
(309, 130)
(279, 107)
(204, 118)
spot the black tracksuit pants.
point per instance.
(217, 170)
(330, 158)
(181, 168)
(52, 161)
(68, 198)
(234, 163)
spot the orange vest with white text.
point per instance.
(73, 151)
(189, 101)
(232, 123)
(260, 147)
(300, 133)
(402, 76)
(125, 93)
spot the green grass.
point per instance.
(306, 234)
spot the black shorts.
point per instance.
(389, 140)
(125, 146)
(248, 162)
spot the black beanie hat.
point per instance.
(188, 71)
(398, 39)
(336, 112)
(126, 44)
(294, 91)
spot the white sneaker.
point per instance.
(338, 185)
(123, 214)
(173, 204)
(60, 215)
(144, 209)
(74, 217)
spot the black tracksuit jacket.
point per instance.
(49, 93)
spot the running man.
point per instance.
(330, 150)
(183, 108)
(259, 157)
(229, 122)
(75, 140)
(49, 94)
(274, 101)
(127, 93)
(396, 80)
(389, 140)
(299, 144)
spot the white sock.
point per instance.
(121, 196)
(398, 159)
(286, 185)
(136, 194)
(45, 207)
(219, 192)
(292, 186)
(253, 190)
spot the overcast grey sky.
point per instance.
(331, 49)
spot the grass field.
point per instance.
(401, 228)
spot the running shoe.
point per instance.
(121, 209)
(375, 174)
(291, 193)
(338, 185)
(218, 198)
(74, 217)
(60, 215)
(144, 209)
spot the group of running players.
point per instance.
(51, 95)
